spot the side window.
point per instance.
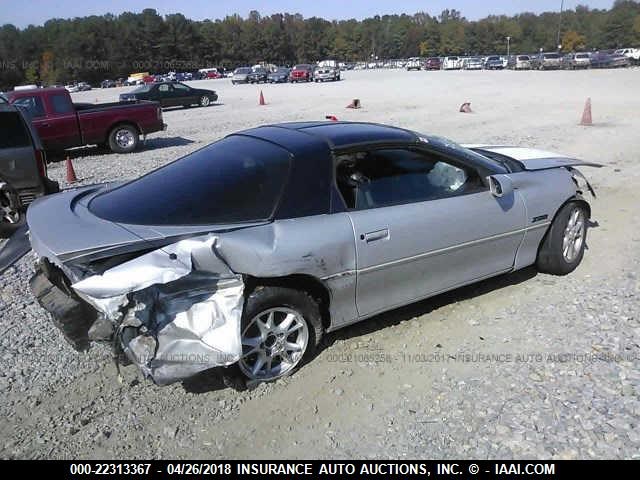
(180, 88)
(163, 88)
(33, 105)
(61, 104)
(380, 178)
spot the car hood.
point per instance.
(77, 235)
(532, 158)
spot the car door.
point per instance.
(59, 129)
(183, 95)
(164, 94)
(423, 224)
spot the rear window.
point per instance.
(523, 57)
(13, 133)
(302, 67)
(238, 179)
(582, 55)
(61, 103)
(242, 70)
(551, 55)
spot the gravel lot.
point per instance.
(526, 365)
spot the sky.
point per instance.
(38, 11)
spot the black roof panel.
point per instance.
(341, 134)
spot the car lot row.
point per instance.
(541, 61)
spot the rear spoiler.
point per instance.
(531, 158)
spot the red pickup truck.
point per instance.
(61, 124)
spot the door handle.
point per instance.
(375, 236)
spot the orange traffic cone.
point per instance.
(71, 173)
(586, 113)
(333, 118)
(466, 107)
(262, 102)
(355, 103)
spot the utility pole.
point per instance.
(508, 40)
(560, 25)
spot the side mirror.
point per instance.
(500, 185)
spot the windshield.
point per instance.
(523, 57)
(282, 70)
(582, 55)
(551, 55)
(493, 58)
(302, 67)
(242, 70)
(237, 179)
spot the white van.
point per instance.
(451, 63)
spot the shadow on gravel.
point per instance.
(221, 378)
(399, 315)
(96, 150)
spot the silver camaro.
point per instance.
(247, 251)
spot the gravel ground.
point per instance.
(521, 366)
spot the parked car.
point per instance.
(72, 88)
(413, 64)
(61, 124)
(633, 54)
(342, 223)
(548, 61)
(108, 84)
(520, 62)
(577, 60)
(240, 75)
(609, 60)
(433, 63)
(23, 168)
(493, 62)
(172, 94)
(83, 86)
(451, 63)
(472, 63)
(280, 75)
(258, 75)
(301, 73)
(325, 72)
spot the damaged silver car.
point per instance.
(247, 251)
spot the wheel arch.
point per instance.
(307, 283)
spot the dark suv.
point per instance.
(23, 170)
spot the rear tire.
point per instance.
(281, 328)
(123, 139)
(12, 216)
(562, 248)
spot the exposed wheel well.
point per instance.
(307, 283)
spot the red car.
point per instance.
(301, 73)
(61, 124)
(433, 63)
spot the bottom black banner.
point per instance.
(454, 469)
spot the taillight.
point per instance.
(41, 162)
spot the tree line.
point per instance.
(110, 46)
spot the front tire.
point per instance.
(205, 101)
(563, 246)
(123, 139)
(281, 328)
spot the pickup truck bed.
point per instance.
(62, 124)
